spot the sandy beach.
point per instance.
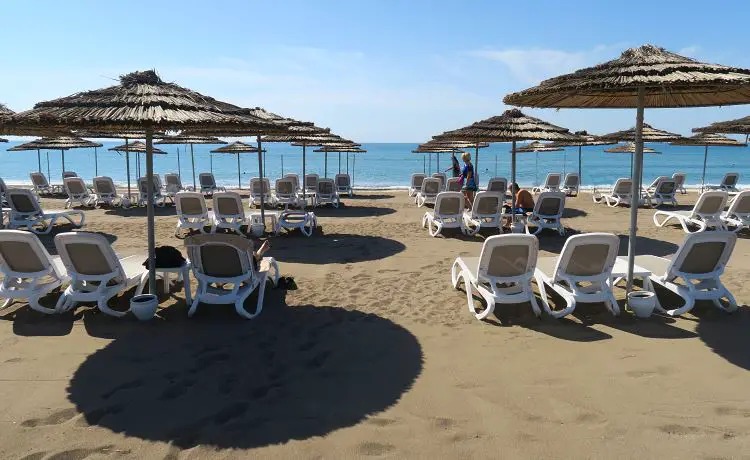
(375, 355)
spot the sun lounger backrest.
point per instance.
(488, 203)
(3, 188)
(343, 180)
(257, 185)
(22, 252)
(207, 180)
(497, 184)
(442, 177)
(572, 180)
(74, 185)
(67, 174)
(143, 185)
(228, 204)
(505, 256)
(104, 185)
(623, 186)
(430, 186)
(666, 186)
(454, 184)
(285, 186)
(730, 179)
(39, 179)
(416, 180)
(587, 255)
(449, 203)
(553, 180)
(550, 204)
(190, 204)
(23, 201)
(326, 187)
(220, 256)
(294, 178)
(679, 179)
(173, 181)
(711, 203)
(740, 204)
(656, 181)
(87, 254)
(311, 181)
(702, 253)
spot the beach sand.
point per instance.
(375, 355)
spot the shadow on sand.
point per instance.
(352, 211)
(215, 379)
(48, 241)
(334, 248)
(726, 334)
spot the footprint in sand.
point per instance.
(84, 453)
(95, 416)
(124, 386)
(176, 390)
(726, 411)
(56, 418)
(679, 430)
(381, 421)
(374, 448)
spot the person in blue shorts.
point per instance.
(468, 180)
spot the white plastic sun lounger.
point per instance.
(41, 186)
(453, 185)
(695, 270)
(229, 212)
(96, 273)
(429, 191)
(582, 272)
(548, 211)
(291, 220)
(728, 183)
(501, 274)
(486, 212)
(344, 185)
(192, 213)
(295, 179)
(571, 184)
(620, 193)
(664, 191)
(498, 184)
(706, 214)
(226, 274)
(208, 184)
(173, 185)
(159, 199)
(25, 212)
(311, 184)
(443, 180)
(679, 179)
(737, 217)
(286, 193)
(551, 184)
(326, 193)
(258, 187)
(448, 213)
(67, 174)
(29, 273)
(105, 192)
(77, 193)
(415, 185)
(656, 181)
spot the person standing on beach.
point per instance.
(455, 166)
(468, 180)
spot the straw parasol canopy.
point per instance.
(586, 140)
(438, 147)
(237, 148)
(647, 76)
(5, 111)
(141, 101)
(61, 143)
(137, 146)
(343, 145)
(650, 134)
(629, 148)
(706, 140)
(188, 139)
(536, 147)
(738, 126)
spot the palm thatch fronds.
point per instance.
(668, 80)
(538, 147)
(512, 125)
(650, 134)
(341, 149)
(5, 111)
(57, 143)
(137, 146)
(586, 140)
(307, 139)
(629, 148)
(738, 126)
(141, 100)
(236, 147)
(709, 139)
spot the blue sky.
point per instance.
(373, 71)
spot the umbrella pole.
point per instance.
(39, 159)
(264, 161)
(179, 165)
(339, 162)
(150, 210)
(580, 178)
(705, 158)
(49, 175)
(96, 162)
(138, 164)
(262, 192)
(127, 164)
(512, 181)
(635, 197)
(211, 162)
(347, 163)
(192, 159)
(437, 155)
(282, 165)
(63, 164)
(536, 170)
(424, 164)
(353, 166)
(239, 178)
(495, 165)
(476, 164)
(325, 170)
(304, 178)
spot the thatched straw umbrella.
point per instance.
(438, 147)
(642, 77)
(137, 146)
(343, 148)
(30, 146)
(237, 148)
(4, 112)
(738, 126)
(142, 101)
(630, 147)
(61, 143)
(188, 140)
(537, 147)
(587, 140)
(706, 140)
(126, 136)
(648, 134)
(512, 126)
(329, 146)
(437, 151)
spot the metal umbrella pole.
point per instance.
(39, 159)
(150, 210)
(96, 162)
(127, 164)
(325, 169)
(282, 165)
(705, 159)
(49, 174)
(580, 177)
(63, 164)
(339, 163)
(179, 165)
(636, 190)
(260, 171)
(192, 160)
(239, 174)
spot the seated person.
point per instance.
(524, 202)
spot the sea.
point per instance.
(383, 166)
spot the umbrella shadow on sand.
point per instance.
(726, 334)
(352, 211)
(293, 373)
(334, 248)
(48, 241)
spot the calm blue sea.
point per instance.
(384, 165)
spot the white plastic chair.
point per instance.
(159, 199)
(448, 213)
(415, 184)
(679, 179)
(286, 192)
(571, 184)
(229, 212)
(77, 193)
(96, 273)
(486, 212)
(453, 185)
(258, 187)
(728, 183)
(695, 270)
(547, 213)
(208, 184)
(192, 213)
(344, 185)
(501, 274)
(620, 193)
(25, 212)
(582, 272)
(737, 216)
(706, 214)
(105, 192)
(664, 191)
(29, 273)
(498, 184)
(226, 273)
(41, 186)
(326, 193)
(292, 220)
(429, 191)
(551, 184)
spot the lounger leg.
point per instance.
(35, 305)
(532, 300)
(104, 307)
(7, 302)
